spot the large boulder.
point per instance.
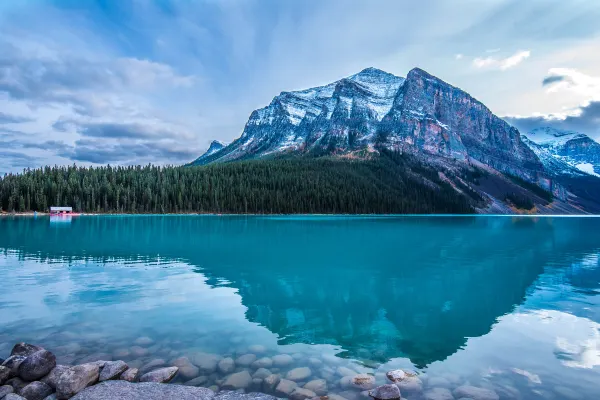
(475, 393)
(24, 349)
(282, 360)
(239, 380)
(36, 391)
(298, 374)
(130, 375)
(162, 375)
(37, 365)
(112, 370)
(205, 361)
(75, 379)
(123, 390)
(13, 363)
(385, 392)
(52, 378)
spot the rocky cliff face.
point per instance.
(373, 109)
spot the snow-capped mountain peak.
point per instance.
(548, 135)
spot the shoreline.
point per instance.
(45, 214)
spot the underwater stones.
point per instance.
(345, 382)
(330, 359)
(198, 381)
(75, 379)
(261, 373)
(121, 353)
(345, 371)
(130, 375)
(162, 375)
(438, 381)
(264, 362)
(205, 361)
(257, 349)
(410, 384)
(238, 380)
(52, 378)
(438, 393)
(226, 365)
(302, 394)
(231, 395)
(319, 386)
(385, 392)
(37, 365)
(245, 360)
(315, 362)
(285, 387)
(154, 364)
(298, 374)
(143, 341)
(475, 393)
(36, 391)
(363, 381)
(187, 370)
(271, 382)
(255, 385)
(24, 349)
(138, 351)
(96, 357)
(396, 375)
(282, 360)
(112, 370)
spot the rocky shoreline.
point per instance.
(31, 372)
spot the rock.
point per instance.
(315, 362)
(52, 378)
(345, 382)
(130, 375)
(24, 349)
(261, 373)
(75, 379)
(264, 362)
(363, 381)
(255, 385)
(319, 386)
(475, 393)
(231, 395)
(143, 341)
(344, 371)
(6, 389)
(16, 383)
(350, 395)
(438, 393)
(385, 392)
(438, 381)
(239, 380)
(215, 388)
(154, 364)
(162, 375)
(245, 360)
(330, 359)
(205, 361)
(396, 375)
(410, 384)
(123, 390)
(257, 349)
(285, 387)
(298, 374)
(271, 382)
(4, 375)
(51, 397)
(138, 351)
(297, 356)
(199, 381)
(187, 370)
(36, 391)
(13, 363)
(12, 396)
(96, 357)
(302, 394)
(226, 365)
(282, 360)
(112, 370)
(121, 353)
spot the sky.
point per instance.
(127, 82)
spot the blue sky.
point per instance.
(135, 81)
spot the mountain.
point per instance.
(215, 146)
(373, 109)
(571, 149)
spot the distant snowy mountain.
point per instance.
(571, 150)
(215, 146)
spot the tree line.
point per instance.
(387, 184)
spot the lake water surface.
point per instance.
(509, 304)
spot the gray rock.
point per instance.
(162, 375)
(261, 373)
(410, 384)
(319, 386)
(36, 391)
(438, 393)
(205, 361)
(233, 395)
(345, 371)
(264, 362)
(4, 375)
(345, 382)
(6, 389)
(154, 364)
(298, 374)
(122, 390)
(51, 397)
(315, 362)
(96, 357)
(24, 349)
(75, 379)
(130, 375)
(143, 341)
(13, 396)
(112, 370)
(285, 387)
(396, 375)
(239, 380)
(385, 392)
(255, 385)
(363, 381)
(302, 394)
(245, 360)
(271, 382)
(475, 393)
(187, 370)
(13, 363)
(282, 360)
(199, 381)
(52, 378)
(226, 365)
(16, 383)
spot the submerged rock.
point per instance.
(385, 392)
(36, 391)
(52, 378)
(363, 381)
(239, 380)
(298, 374)
(410, 384)
(199, 381)
(143, 341)
(282, 360)
(75, 379)
(154, 364)
(205, 361)
(475, 393)
(234, 395)
(302, 394)
(271, 382)
(261, 373)
(285, 387)
(438, 393)
(226, 365)
(396, 375)
(245, 360)
(162, 375)
(264, 362)
(123, 390)
(257, 349)
(24, 349)
(112, 370)
(319, 386)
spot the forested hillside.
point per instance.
(379, 185)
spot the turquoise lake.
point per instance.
(509, 304)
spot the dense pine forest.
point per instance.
(384, 184)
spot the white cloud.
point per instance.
(459, 56)
(572, 80)
(502, 63)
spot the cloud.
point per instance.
(13, 119)
(572, 80)
(502, 63)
